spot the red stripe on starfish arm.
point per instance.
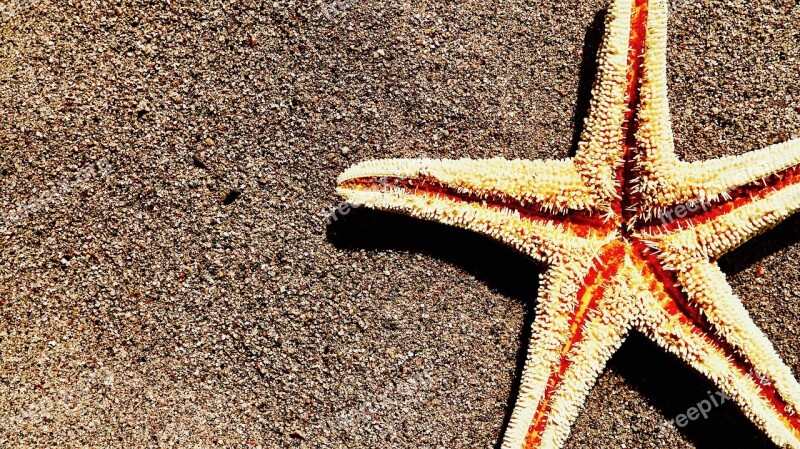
(636, 48)
(663, 285)
(592, 290)
(578, 223)
(738, 197)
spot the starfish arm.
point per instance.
(552, 186)
(716, 230)
(759, 390)
(580, 322)
(707, 287)
(521, 203)
(600, 152)
(654, 134)
(731, 179)
(750, 174)
(662, 181)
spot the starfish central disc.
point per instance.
(628, 236)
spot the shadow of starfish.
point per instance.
(672, 388)
(588, 72)
(516, 277)
(669, 385)
(502, 269)
(783, 236)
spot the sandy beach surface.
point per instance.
(167, 276)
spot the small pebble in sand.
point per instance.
(198, 161)
(232, 196)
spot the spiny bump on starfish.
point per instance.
(628, 235)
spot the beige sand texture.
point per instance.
(142, 305)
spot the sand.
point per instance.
(143, 303)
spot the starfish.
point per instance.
(628, 236)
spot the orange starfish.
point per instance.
(629, 236)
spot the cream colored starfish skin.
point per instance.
(629, 236)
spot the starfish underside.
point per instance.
(629, 237)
